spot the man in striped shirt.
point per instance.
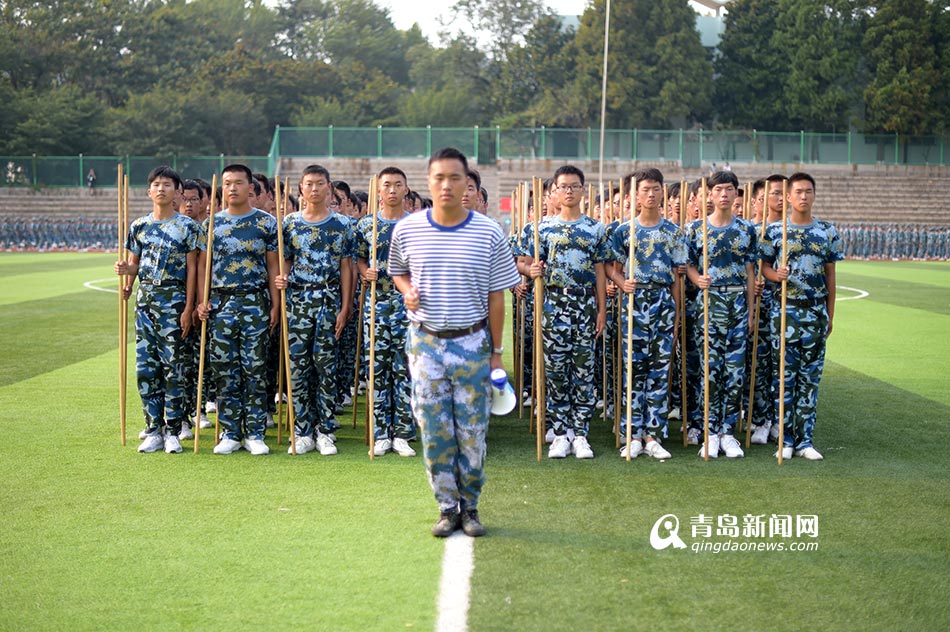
(452, 267)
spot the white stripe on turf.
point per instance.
(861, 294)
(91, 285)
(457, 564)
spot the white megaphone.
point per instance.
(503, 399)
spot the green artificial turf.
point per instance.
(98, 537)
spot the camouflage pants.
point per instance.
(273, 366)
(391, 388)
(728, 331)
(159, 367)
(527, 304)
(764, 411)
(569, 326)
(189, 362)
(604, 351)
(238, 353)
(311, 321)
(653, 317)
(346, 356)
(805, 330)
(451, 402)
(694, 360)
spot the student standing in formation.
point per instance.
(243, 307)
(318, 246)
(732, 247)
(452, 266)
(658, 249)
(163, 255)
(571, 261)
(813, 249)
(391, 389)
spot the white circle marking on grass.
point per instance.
(92, 286)
(455, 584)
(860, 294)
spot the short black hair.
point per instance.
(757, 186)
(569, 170)
(164, 171)
(235, 167)
(256, 185)
(646, 174)
(801, 175)
(673, 190)
(474, 175)
(316, 170)
(205, 187)
(722, 177)
(392, 171)
(449, 153)
(265, 182)
(339, 185)
(484, 193)
(191, 185)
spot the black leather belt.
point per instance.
(238, 291)
(454, 333)
(570, 291)
(163, 283)
(806, 302)
(652, 286)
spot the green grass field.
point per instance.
(98, 537)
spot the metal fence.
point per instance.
(688, 148)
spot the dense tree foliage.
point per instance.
(207, 76)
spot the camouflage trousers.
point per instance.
(604, 351)
(654, 313)
(346, 355)
(392, 410)
(569, 326)
(764, 411)
(451, 402)
(189, 363)
(527, 304)
(311, 321)
(728, 331)
(694, 360)
(273, 366)
(806, 328)
(159, 349)
(238, 354)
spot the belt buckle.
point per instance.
(156, 282)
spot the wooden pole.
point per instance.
(123, 307)
(755, 338)
(684, 427)
(705, 219)
(371, 378)
(618, 352)
(781, 339)
(606, 218)
(209, 252)
(630, 307)
(540, 404)
(285, 331)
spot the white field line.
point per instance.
(457, 564)
(92, 285)
(860, 294)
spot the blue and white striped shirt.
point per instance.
(453, 267)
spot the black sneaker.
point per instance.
(470, 524)
(447, 524)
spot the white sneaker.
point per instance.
(211, 407)
(270, 421)
(809, 453)
(773, 432)
(362, 387)
(582, 448)
(172, 444)
(402, 447)
(786, 453)
(186, 433)
(549, 436)
(694, 436)
(143, 434)
(730, 447)
(152, 443)
(656, 450)
(204, 423)
(674, 413)
(636, 448)
(303, 445)
(280, 396)
(760, 436)
(347, 400)
(560, 447)
(257, 447)
(325, 444)
(713, 446)
(600, 404)
(526, 398)
(227, 446)
(382, 446)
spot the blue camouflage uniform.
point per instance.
(810, 249)
(730, 248)
(313, 301)
(162, 247)
(391, 387)
(240, 320)
(658, 250)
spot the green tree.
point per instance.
(61, 121)
(941, 93)
(505, 21)
(902, 64)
